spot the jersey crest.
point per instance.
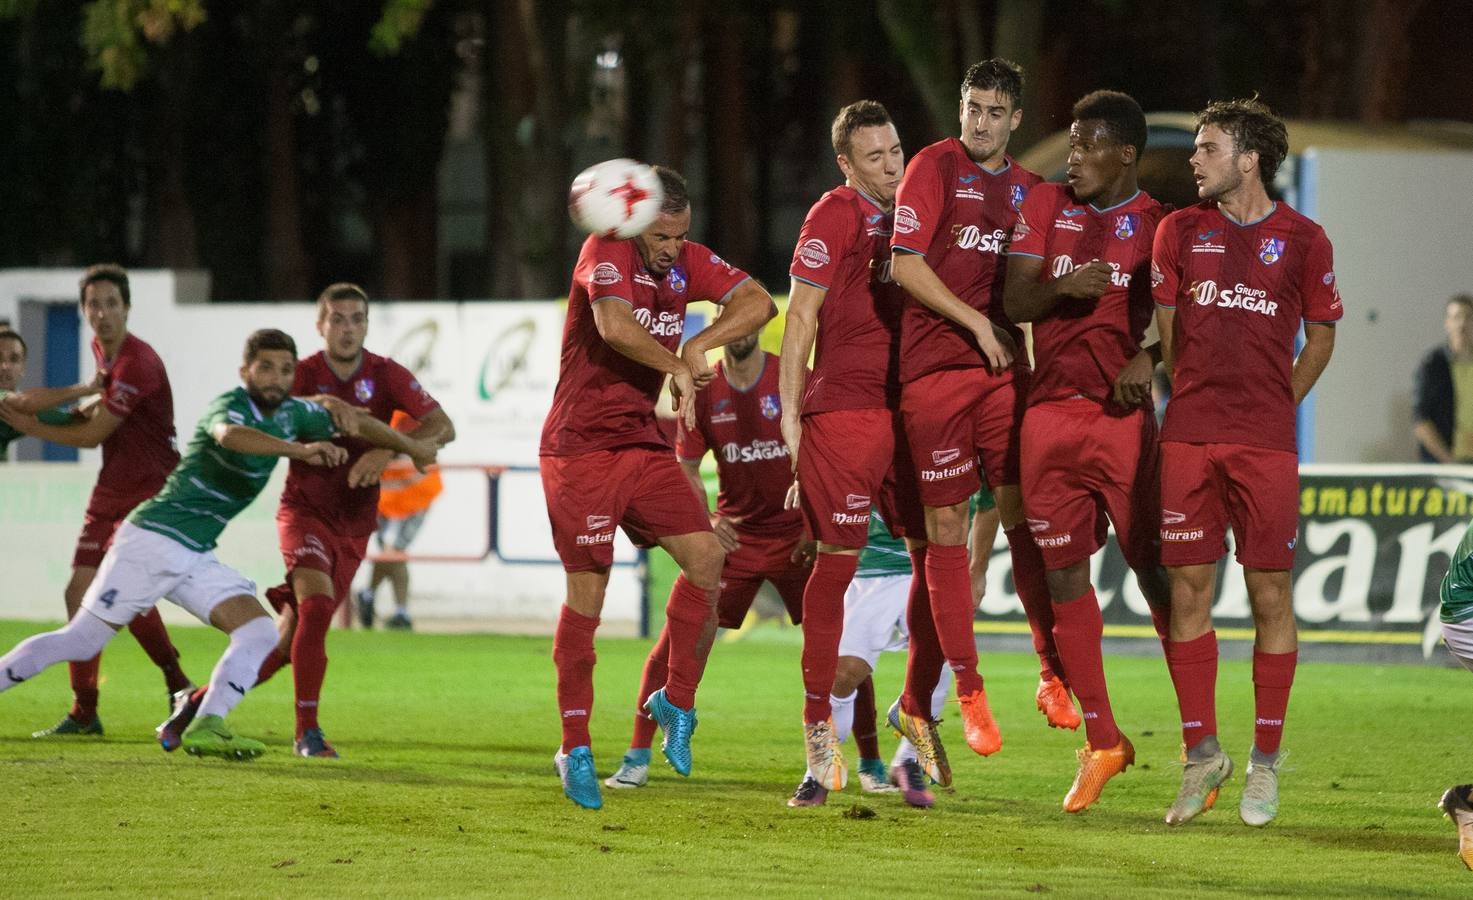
(1271, 250)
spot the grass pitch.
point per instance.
(446, 788)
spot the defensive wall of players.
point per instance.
(1374, 539)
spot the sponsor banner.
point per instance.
(1372, 546)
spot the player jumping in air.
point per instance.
(605, 464)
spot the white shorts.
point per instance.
(1459, 638)
(874, 617)
(142, 566)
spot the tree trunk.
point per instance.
(288, 273)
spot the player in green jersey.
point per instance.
(46, 403)
(166, 545)
(1457, 631)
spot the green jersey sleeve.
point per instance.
(313, 422)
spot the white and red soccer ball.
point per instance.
(617, 198)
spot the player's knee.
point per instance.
(703, 569)
(850, 672)
(1068, 583)
(231, 614)
(947, 524)
(76, 590)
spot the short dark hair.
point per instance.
(857, 115)
(105, 272)
(996, 74)
(268, 339)
(7, 335)
(677, 195)
(1252, 126)
(1122, 115)
(1463, 300)
(341, 290)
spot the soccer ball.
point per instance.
(617, 198)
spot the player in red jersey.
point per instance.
(325, 518)
(605, 463)
(842, 424)
(963, 396)
(1078, 269)
(737, 419)
(134, 424)
(1233, 278)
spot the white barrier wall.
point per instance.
(1399, 222)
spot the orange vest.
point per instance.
(403, 491)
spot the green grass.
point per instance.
(446, 789)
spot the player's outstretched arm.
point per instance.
(379, 434)
(912, 272)
(84, 433)
(1319, 343)
(244, 439)
(34, 400)
(1028, 299)
(614, 319)
(748, 309)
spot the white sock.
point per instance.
(905, 750)
(843, 712)
(235, 673)
(81, 638)
(938, 696)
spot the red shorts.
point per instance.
(1206, 487)
(850, 460)
(96, 537)
(641, 489)
(308, 542)
(955, 418)
(1080, 465)
(761, 558)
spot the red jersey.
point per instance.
(960, 217)
(752, 462)
(1240, 292)
(844, 248)
(139, 455)
(1081, 345)
(381, 386)
(604, 399)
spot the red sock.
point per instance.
(686, 615)
(865, 737)
(1273, 675)
(149, 630)
(950, 585)
(309, 656)
(1078, 629)
(572, 654)
(84, 688)
(823, 626)
(1193, 666)
(1038, 605)
(923, 667)
(274, 662)
(656, 673)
